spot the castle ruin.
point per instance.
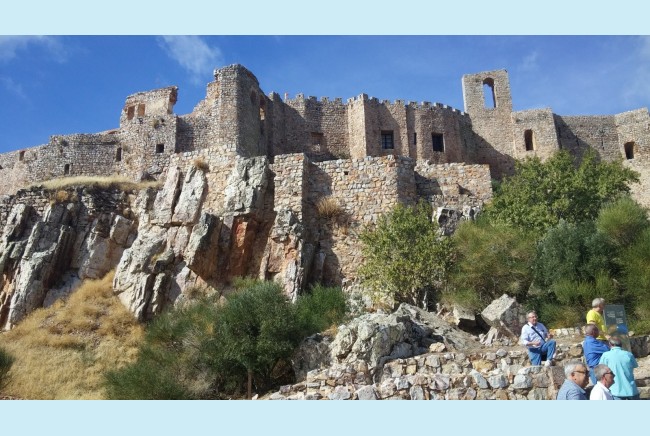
(269, 163)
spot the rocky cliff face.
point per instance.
(163, 243)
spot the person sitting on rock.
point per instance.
(577, 379)
(537, 339)
(593, 349)
(605, 378)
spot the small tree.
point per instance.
(491, 260)
(405, 259)
(256, 329)
(540, 194)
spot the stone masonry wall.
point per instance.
(454, 184)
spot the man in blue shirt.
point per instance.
(573, 387)
(537, 339)
(622, 364)
(593, 349)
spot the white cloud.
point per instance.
(13, 87)
(529, 62)
(11, 46)
(193, 54)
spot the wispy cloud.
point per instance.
(637, 90)
(12, 46)
(193, 54)
(12, 87)
(529, 62)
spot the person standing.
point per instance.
(595, 316)
(605, 378)
(622, 364)
(593, 349)
(537, 339)
(577, 379)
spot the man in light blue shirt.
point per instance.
(622, 364)
(577, 378)
(537, 339)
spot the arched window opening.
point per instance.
(489, 94)
(529, 140)
(629, 150)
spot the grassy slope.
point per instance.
(62, 352)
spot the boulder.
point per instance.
(188, 205)
(505, 315)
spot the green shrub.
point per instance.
(174, 361)
(405, 260)
(622, 221)
(573, 252)
(320, 308)
(635, 261)
(540, 194)
(491, 260)
(255, 330)
(6, 362)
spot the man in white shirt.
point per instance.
(605, 378)
(537, 340)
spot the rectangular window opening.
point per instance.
(160, 148)
(529, 140)
(438, 141)
(387, 140)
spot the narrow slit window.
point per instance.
(529, 139)
(438, 141)
(488, 93)
(415, 138)
(21, 156)
(118, 154)
(629, 150)
(387, 140)
(66, 169)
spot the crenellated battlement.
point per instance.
(239, 119)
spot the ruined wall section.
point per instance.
(453, 185)
(634, 146)
(238, 109)
(318, 128)
(534, 134)
(198, 129)
(431, 120)
(358, 141)
(147, 133)
(577, 134)
(365, 189)
(488, 102)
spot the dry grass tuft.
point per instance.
(63, 352)
(201, 164)
(63, 196)
(114, 181)
(329, 207)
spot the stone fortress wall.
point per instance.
(237, 119)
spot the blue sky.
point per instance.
(77, 84)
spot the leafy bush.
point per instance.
(209, 350)
(491, 260)
(636, 278)
(540, 194)
(622, 221)
(6, 361)
(321, 308)
(173, 361)
(572, 252)
(405, 260)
